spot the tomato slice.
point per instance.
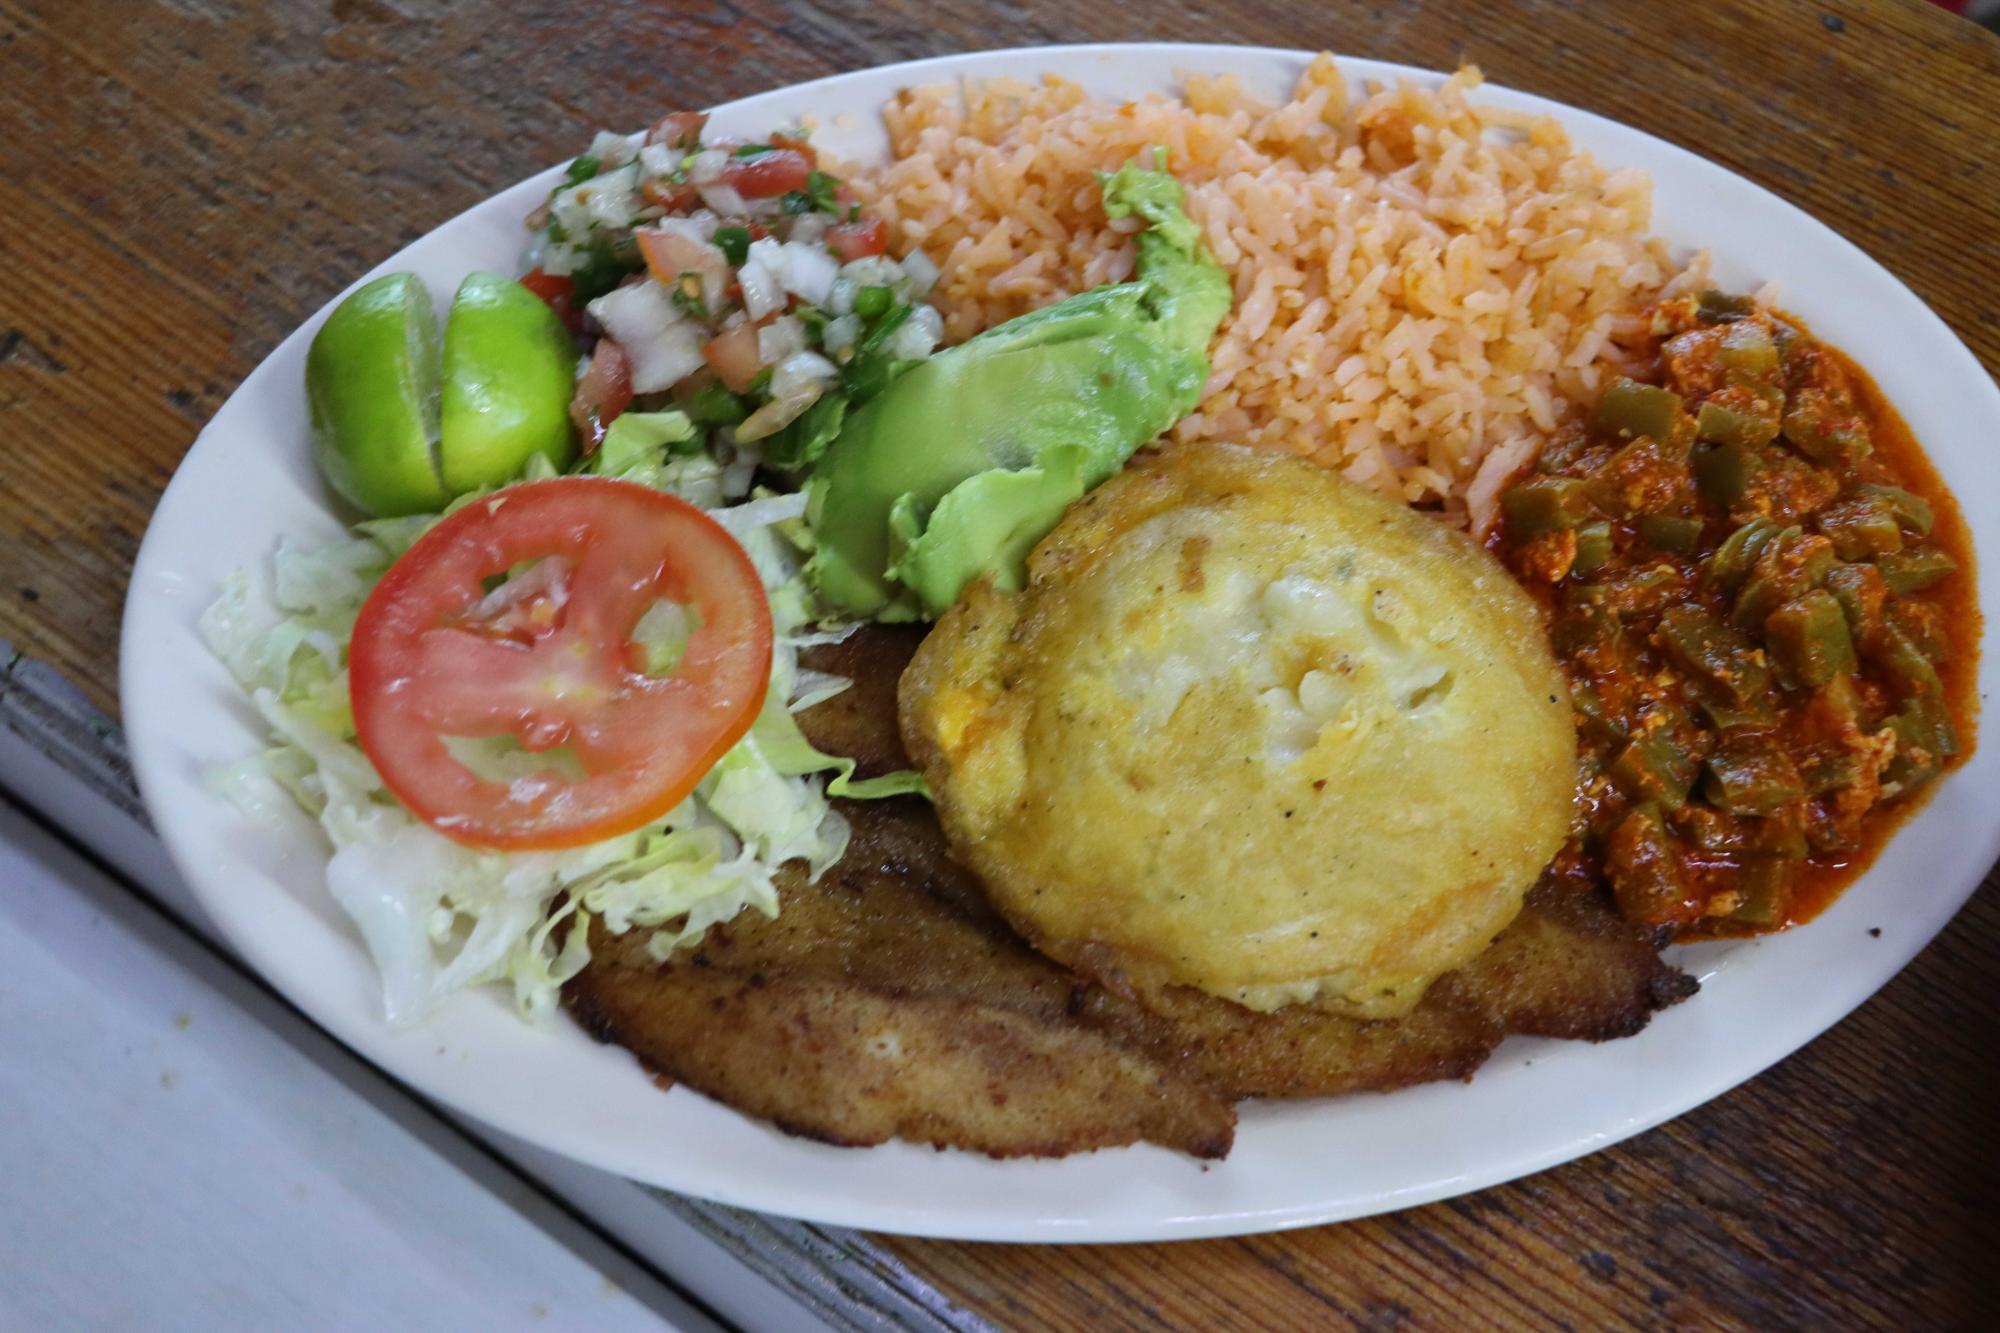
(436, 657)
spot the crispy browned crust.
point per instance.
(870, 1010)
(1002, 1051)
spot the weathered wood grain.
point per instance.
(183, 181)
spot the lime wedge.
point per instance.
(509, 373)
(372, 389)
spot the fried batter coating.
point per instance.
(1252, 729)
(870, 1010)
(787, 1019)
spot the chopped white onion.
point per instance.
(922, 273)
(810, 228)
(782, 337)
(840, 335)
(568, 210)
(798, 370)
(779, 413)
(809, 272)
(840, 297)
(708, 166)
(760, 290)
(656, 159)
(613, 150)
(916, 337)
(610, 200)
(875, 271)
(672, 357)
(661, 346)
(740, 470)
(771, 254)
(724, 200)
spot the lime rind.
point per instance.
(403, 420)
(372, 393)
(509, 374)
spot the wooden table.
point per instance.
(182, 183)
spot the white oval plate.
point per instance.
(249, 480)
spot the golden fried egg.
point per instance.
(1252, 729)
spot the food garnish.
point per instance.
(402, 427)
(965, 463)
(738, 277)
(548, 661)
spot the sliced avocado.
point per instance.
(988, 522)
(1035, 411)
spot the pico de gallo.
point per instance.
(735, 280)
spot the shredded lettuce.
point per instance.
(437, 916)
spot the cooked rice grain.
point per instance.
(1423, 285)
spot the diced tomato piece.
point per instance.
(799, 146)
(674, 197)
(768, 175)
(672, 253)
(560, 294)
(682, 129)
(850, 241)
(604, 391)
(733, 357)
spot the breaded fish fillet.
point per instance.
(889, 1000)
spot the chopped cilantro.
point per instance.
(872, 369)
(714, 405)
(581, 170)
(752, 150)
(609, 260)
(819, 196)
(890, 322)
(820, 191)
(869, 373)
(734, 242)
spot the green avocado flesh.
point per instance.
(958, 468)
